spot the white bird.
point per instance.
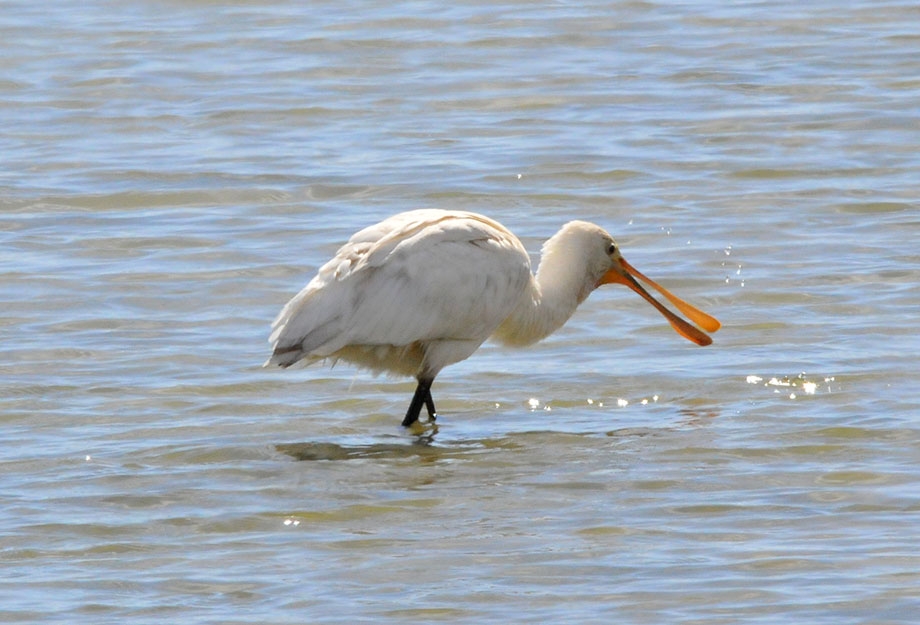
(425, 288)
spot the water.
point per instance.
(171, 173)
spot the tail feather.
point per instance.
(285, 356)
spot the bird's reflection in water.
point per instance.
(697, 416)
(421, 447)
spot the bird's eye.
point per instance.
(612, 249)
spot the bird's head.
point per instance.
(605, 264)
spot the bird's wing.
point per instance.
(422, 275)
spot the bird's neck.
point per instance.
(554, 294)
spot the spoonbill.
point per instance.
(425, 288)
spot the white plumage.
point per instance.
(425, 288)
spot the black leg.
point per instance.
(422, 397)
(429, 404)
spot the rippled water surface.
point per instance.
(171, 173)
